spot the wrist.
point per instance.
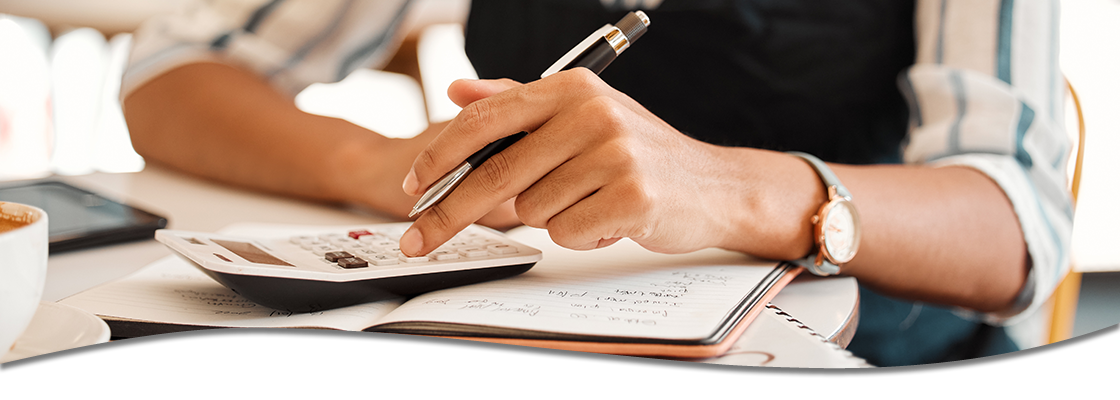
(350, 165)
(369, 170)
(780, 193)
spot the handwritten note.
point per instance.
(621, 290)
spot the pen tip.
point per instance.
(413, 213)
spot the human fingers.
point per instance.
(564, 186)
(659, 189)
(520, 109)
(599, 220)
(503, 176)
(502, 217)
(467, 91)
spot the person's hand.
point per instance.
(374, 179)
(596, 167)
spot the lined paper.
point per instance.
(621, 290)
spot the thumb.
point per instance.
(467, 91)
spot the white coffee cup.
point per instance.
(23, 268)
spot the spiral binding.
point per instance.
(801, 325)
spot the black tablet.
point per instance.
(78, 218)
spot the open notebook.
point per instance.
(777, 339)
(620, 300)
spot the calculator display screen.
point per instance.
(251, 253)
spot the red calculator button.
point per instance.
(357, 234)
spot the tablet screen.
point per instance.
(79, 218)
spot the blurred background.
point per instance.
(61, 62)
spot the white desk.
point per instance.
(829, 306)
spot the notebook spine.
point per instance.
(801, 325)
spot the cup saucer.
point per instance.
(57, 327)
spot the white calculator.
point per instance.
(326, 270)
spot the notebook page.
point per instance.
(172, 291)
(622, 290)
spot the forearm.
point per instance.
(226, 124)
(942, 235)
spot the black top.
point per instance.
(818, 77)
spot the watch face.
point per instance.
(840, 231)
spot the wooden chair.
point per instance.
(1064, 299)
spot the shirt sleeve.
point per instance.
(291, 43)
(986, 92)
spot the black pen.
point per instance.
(594, 53)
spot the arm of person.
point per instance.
(227, 124)
(209, 91)
(598, 167)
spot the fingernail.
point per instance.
(411, 242)
(410, 183)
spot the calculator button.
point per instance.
(366, 253)
(336, 255)
(308, 244)
(322, 250)
(358, 234)
(384, 243)
(301, 239)
(444, 255)
(408, 259)
(474, 252)
(342, 241)
(352, 262)
(354, 246)
(501, 249)
(381, 259)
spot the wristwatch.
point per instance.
(836, 226)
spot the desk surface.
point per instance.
(829, 306)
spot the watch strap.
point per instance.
(830, 180)
(825, 269)
(825, 173)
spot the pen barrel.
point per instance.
(493, 148)
(596, 59)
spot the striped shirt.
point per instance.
(985, 90)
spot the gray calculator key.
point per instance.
(352, 262)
